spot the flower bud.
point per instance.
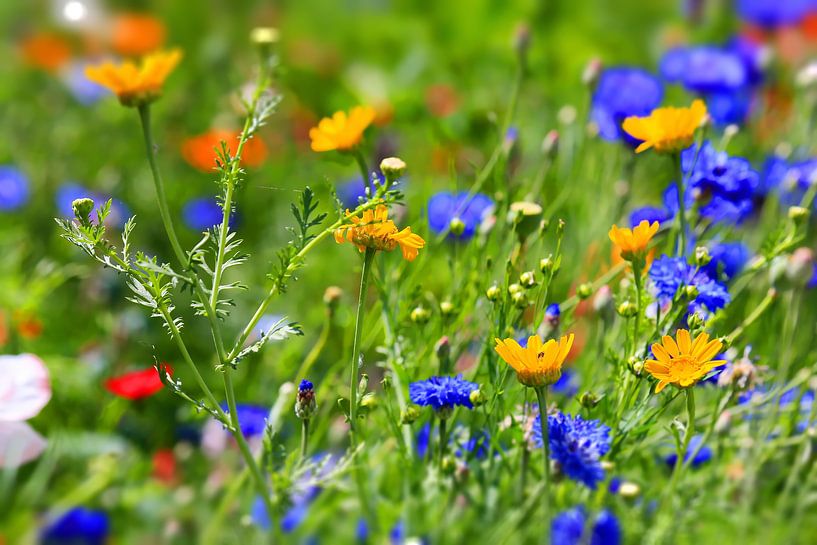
(478, 397)
(392, 168)
(363, 385)
(527, 279)
(515, 288)
(553, 314)
(456, 226)
(264, 36)
(798, 214)
(629, 490)
(695, 321)
(627, 309)
(492, 293)
(589, 400)
(546, 264)
(446, 308)
(305, 404)
(635, 365)
(591, 73)
(443, 348)
(420, 315)
(525, 217)
(691, 292)
(550, 144)
(369, 401)
(386, 383)
(603, 299)
(560, 227)
(410, 414)
(584, 291)
(449, 465)
(82, 210)
(702, 257)
(520, 299)
(521, 40)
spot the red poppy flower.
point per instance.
(200, 151)
(164, 465)
(137, 384)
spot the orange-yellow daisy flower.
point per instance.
(633, 242)
(341, 132)
(682, 361)
(537, 364)
(134, 84)
(374, 230)
(666, 129)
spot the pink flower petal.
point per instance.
(19, 444)
(25, 387)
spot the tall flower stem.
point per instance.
(682, 451)
(443, 441)
(364, 171)
(541, 396)
(354, 378)
(304, 436)
(637, 281)
(682, 222)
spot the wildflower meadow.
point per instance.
(392, 272)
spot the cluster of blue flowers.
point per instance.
(14, 188)
(668, 274)
(251, 418)
(622, 92)
(568, 528)
(78, 525)
(445, 207)
(703, 454)
(577, 445)
(203, 213)
(442, 392)
(790, 180)
(772, 14)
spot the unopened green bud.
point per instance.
(525, 217)
(456, 227)
(627, 309)
(702, 257)
(363, 385)
(691, 292)
(798, 214)
(369, 401)
(527, 279)
(695, 321)
(410, 414)
(589, 400)
(560, 227)
(515, 288)
(492, 293)
(386, 383)
(635, 365)
(443, 348)
(392, 168)
(546, 264)
(629, 490)
(478, 397)
(420, 315)
(449, 465)
(584, 291)
(82, 210)
(447, 308)
(520, 299)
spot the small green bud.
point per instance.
(443, 348)
(702, 257)
(691, 292)
(525, 217)
(635, 365)
(449, 465)
(627, 309)
(550, 145)
(363, 385)
(392, 168)
(546, 264)
(478, 397)
(584, 291)
(515, 288)
(560, 227)
(369, 401)
(798, 214)
(447, 308)
(527, 279)
(420, 315)
(456, 227)
(629, 490)
(410, 414)
(520, 299)
(589, 400)
(82, 210)
(492, 293)
(695, 321)
(386, 383)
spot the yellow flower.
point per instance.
(135, 85)
(633, 242)
(341, 132)
(537, 364)
(666, 129)
(375, 230)
(684, 362)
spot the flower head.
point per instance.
(305, 404)
(341, 132)
(44, 50)
(136, 34)
(252, 419)
(703, 455)
(669, 274)
(442, 393)
(683, 361)
(576, 444)
(622, 92)
(537, 364)
(633, 242)
(666, 129)
(14, 190)
(25, 389)
(135, 85)
(444, 208)
(78, 525)
(374, 230)
(137, 384)
(568, 528)
(201, 152)
(203, 213)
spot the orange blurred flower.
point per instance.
(633, 242)
(668, 129)
(201, 151)
(341, 132)
(135, 34)
(28, 326)
(46, 51)
(135, 85)
(442, 100)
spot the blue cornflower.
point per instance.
(362, 531)
(704, 69)
(568, 383)
(701, 457)
(622, 92)
(442, 392)
(14, 189)
(576, 444)
(397, 535)
(70, 191)
(476, 445)
(650, 214)
(445, 207)
(423, 440)
(790, 180)
(251, 418)
(80, 526)
(203, 213)
(730, 107)
(553, 313)
(85, 91)
(668, 274)
(567, 528)
(771, 14)
(728, 259)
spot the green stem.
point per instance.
(304, 437)
(681, 454)
(443, 441)
(355, 366)
(637, 281)
(682, 222)
(541, 396)
(364, 171)
(771, 295)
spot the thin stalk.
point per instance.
(364, 171)
(681, 454)
(541, 396)
(637, 282)
(304, 437)
(682, 222)
(443, 441)
(354, 375)
(764, 304)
